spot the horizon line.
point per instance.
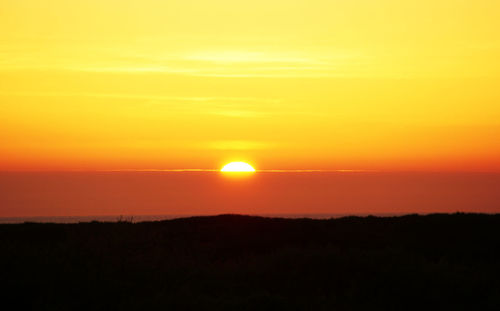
(256, 171)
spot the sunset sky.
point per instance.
(385, 85)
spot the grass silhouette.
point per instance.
(233, 262)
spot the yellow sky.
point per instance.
(359, 84)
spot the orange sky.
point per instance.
(24, 194)
(372, 85)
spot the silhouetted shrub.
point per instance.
(232, 262)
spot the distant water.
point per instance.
(77, 219)
(65, 197)
(142, 218)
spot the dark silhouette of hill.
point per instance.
(232, 262)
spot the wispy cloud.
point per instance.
(239, 113)
(245, 63)
(145, 96)
(236, 145)
(232, 57)
(223, 106)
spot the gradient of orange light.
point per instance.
(376, 85)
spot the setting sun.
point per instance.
(318, 154)
(237, 167)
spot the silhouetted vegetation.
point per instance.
(233, 262)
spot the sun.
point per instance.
(238, 167)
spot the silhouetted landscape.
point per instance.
(233, 262)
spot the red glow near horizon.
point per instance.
(191, 193)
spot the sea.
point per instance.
(72, 197)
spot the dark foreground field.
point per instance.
(230, 262)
